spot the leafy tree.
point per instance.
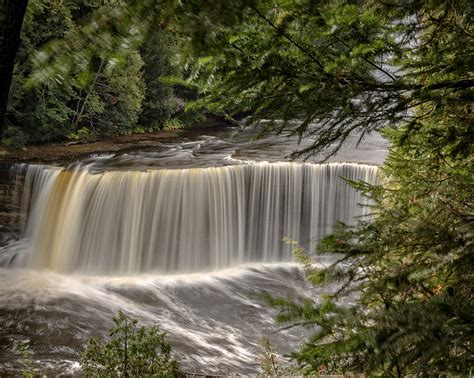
(130, 352)
(110, 102)
(109, 42)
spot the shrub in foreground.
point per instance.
(131, 351)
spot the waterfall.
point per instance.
(183, 220)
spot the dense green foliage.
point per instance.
(409, 271)
(337, 66)
(27, 370)
(130, 352)
(159, 102)
(102, 84)
(405, 298)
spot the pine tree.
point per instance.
(404, 302)
(408, 272)
(160, 102)
(338, 67)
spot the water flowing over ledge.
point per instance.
(182, 220)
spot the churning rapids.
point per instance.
(187, 235)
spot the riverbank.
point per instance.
(64, 151)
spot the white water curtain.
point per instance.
(184, 220)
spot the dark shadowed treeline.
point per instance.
(114, 93)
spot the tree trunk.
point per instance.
(11, 19)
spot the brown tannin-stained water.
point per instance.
(186, 235)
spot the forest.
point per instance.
(98, 99)
(322, 72)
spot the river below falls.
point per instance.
(214, 317)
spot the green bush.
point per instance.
(27, 370)
(131, 351)
(15, 137)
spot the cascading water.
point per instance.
(172, 235)
(183, 220)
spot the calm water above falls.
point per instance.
(171, 239)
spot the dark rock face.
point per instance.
(11, 184)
